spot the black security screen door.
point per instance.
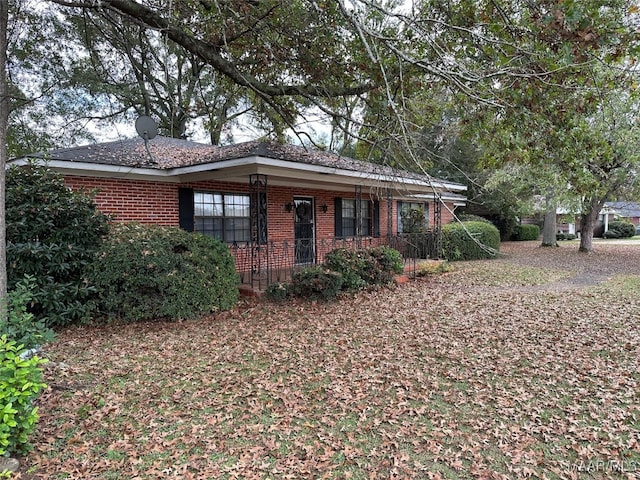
(304, 231)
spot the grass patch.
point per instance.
(496, 273)
(625, 284)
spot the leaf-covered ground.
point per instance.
(521, 367)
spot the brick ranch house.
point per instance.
(276, 206)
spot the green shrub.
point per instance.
(144, 272)
(470, 217)
(17, 323)
(620, 229)
(20, 383)
(388, 262)
(278, 292)
(52, 234)
(316, 283)
(343, 269)
(367, 266)
(565, 236)
(523, 233)
(470, 241)
(349, 263)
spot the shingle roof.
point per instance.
(169, 153)
(625, 209)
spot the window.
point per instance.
(222, 215)
(347, 220)
(408, 223)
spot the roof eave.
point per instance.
(175, 175)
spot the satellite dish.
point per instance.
(146, 127)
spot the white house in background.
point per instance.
(568, 221)
(611, 211)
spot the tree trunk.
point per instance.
(4, 121)
(549, 227)
(588, 222)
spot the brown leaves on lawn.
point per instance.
(499, 370)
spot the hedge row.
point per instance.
(523, 233)
(144, 272)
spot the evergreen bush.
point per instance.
(470, 217)
(565, 236)
(52, 234)
(17, 323)
(619, 229)
(523, 233)
(144, 272)
(316, 283)
(349, 263)
(366, 266)
(20, 383)
(278, 292)
(388, 263)
(470, 241)
(343, 269)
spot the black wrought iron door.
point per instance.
(304, 230)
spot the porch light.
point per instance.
(324, 208)
(288, 207)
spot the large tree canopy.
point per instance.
(299, 53)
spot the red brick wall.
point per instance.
(132, 200)
(447, 216)
(157, 203)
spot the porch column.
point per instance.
(358, 215)
(437, 221)
(260, 266)
(389, 215)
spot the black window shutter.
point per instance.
(376, 218)
(185, 209)
(338, 217)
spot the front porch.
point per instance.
(260, 265)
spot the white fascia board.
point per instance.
(430, 196)
(100, 170)
(456, 200)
